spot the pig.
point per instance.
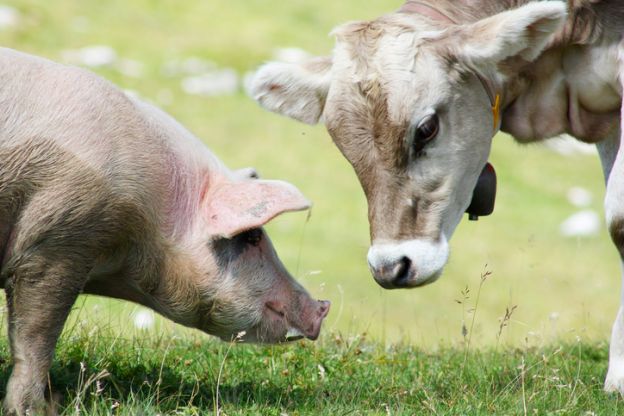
(102, 193)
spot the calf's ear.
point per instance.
(234, 207)
(523, 32)
(294, 90)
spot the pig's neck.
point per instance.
(187, 164)
(186, 179)
(175, 293)
(172, 287)
(190, 176)
(156, 272)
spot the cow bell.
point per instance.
(484, 194)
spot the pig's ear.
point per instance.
(235, 207)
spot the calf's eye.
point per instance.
(426, 131)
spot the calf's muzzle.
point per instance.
(407, 263)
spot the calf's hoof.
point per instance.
(614, 383)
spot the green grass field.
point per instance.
(98, 373)
(564, 290)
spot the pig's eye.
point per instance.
(253, 237)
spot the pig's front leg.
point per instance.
(40, 293)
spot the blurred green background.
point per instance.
(562, 287)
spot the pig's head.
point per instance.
(244, 286)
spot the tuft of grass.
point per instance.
(97, 373)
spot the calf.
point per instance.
(413, 99)
(104, 194)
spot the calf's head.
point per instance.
(413, 104)
(245, 289)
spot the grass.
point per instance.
(98, 373)
(412, 358)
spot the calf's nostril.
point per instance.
(394, 274)
(401, 271)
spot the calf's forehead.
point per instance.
(395, 69)
(374, 102)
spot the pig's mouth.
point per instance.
(278, 324)
(293, 333)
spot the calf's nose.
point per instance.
(392, 273)
(409, 263)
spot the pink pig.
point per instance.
(102, 193)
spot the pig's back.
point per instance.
(77, 110)
(57, 120)
(61, 122)
(90, 118)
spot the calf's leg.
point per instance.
(612, 156)
(614, 212)
(615, 375)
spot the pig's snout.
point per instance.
(305, 323)
(315, 326)
(323, 308)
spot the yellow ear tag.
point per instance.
(496, 112)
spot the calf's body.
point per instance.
(104, 194)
